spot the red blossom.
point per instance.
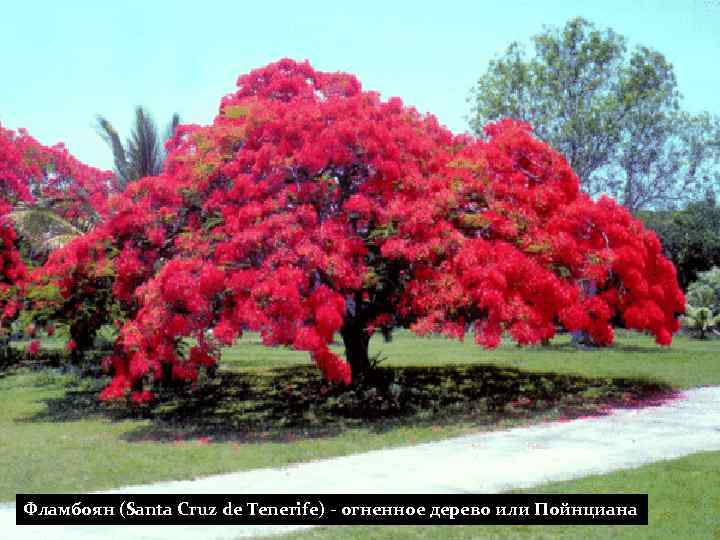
(34, 347)
(309, 206)
(28, 171)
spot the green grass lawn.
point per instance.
(683, 502)
(268, 407)
(687, 363)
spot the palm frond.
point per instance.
(143, 153)
(172, 126)
(106, 130)
(144, 146)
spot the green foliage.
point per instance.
(703, 297)
(613, 113)
(691, 237)
(705, 292)
(40, 230)
(700, 320)
(236, 111)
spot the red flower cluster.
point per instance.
(30, 171)
(310, 206)
(12, 272)
(535, 251)
(13, 188)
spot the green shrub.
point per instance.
(700, 321)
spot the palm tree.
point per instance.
(143, 154)
(701, 320)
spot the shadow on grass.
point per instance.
(285, 404)
(569, 347)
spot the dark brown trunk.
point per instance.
(5, 351)
(84, 340)
(166, 373)
(356, 342)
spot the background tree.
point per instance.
(666, 161)
(613, 113)
(690, 237)
(705, 292)
(703, 310)
(143, 153)
(700, 321)
(40, 230)
(46, 197)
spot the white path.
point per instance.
(480, 463)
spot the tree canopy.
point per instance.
(71, 196)
(310, 207)
(614, 113)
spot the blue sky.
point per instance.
(65, 62)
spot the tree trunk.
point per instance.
(166, 374)
(356, 342)
(84, 338)
(5, 351)
(581, 337)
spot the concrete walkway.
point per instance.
(480, 463)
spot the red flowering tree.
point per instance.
(50, 175)
(13, 273)
(32, 174)
(310, 207)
